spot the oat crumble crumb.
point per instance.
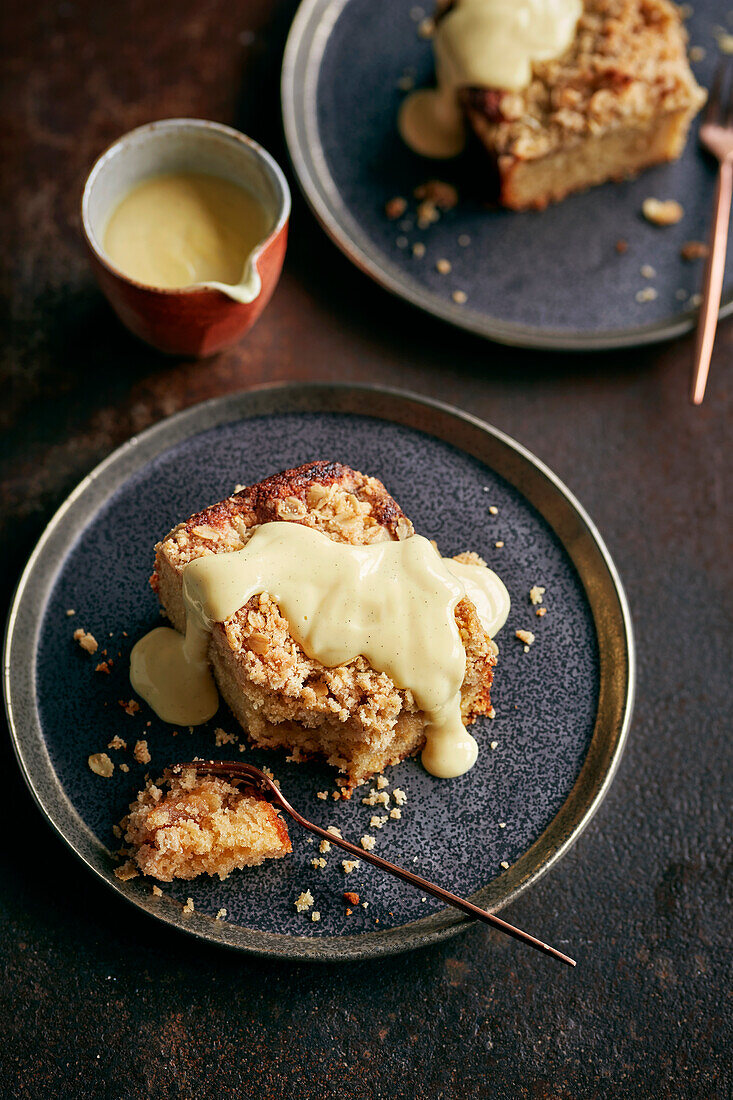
(647, 271)
(662, 212)
(492, 713)
(126, 871)
(87, 641)
(117, 743)
(399, 796)
(69, 612)
(349, 865)
(395, 814)
(502, 824)
(418, 250)
(188, 907)
(382, 782)
(443, 267)
(315, 916)
(100, 764)
(694, 250)
(323, 795)
(335, 830)
(541, 612)
(223, 738)
(157, 892)
(646, 294)
(130, 707)
(318, 862)
(395, 207)
(525, 636)
(493, 510)
(459, 297)
(504, 864)
(220, 914)
(536, 593)
(324, 847)
(104, 666)
(141, 752)
(493, 744)
(367, 842)
(124, 768)
(304, 901)
(499, 545)
(377, 822)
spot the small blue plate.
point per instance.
(562, 709)
(552, 279)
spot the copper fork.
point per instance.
(716, 134)
(248, 773)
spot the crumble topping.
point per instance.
(117, 743)
(536, 593)
(399, 796)
(324, 847)
(349, 865)
(367, 842)
(126, 871)
(188, 907)
(318, 862)
(221, 737)
(157, 892)
(315, 916)
(382, 782)
(395, 814)
(220, 914)
(130, 707)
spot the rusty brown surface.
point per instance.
(99, 1001)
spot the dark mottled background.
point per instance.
(97, 1001)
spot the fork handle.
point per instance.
(713, 282)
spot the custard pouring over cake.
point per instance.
(562, 94)
(331, 627)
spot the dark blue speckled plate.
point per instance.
(561, 710)
(552, 279)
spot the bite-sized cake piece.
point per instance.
(192, 825)
(351, 714)
(620, 99)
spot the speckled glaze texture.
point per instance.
(546, 700)
(552, 278)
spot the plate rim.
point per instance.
(309, 32)
(36, 581)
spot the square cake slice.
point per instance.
(619, 100)
(352, 714)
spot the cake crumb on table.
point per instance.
(304, 901)
(141, 752)
(662, 212)
(100, 764)
(87, 641)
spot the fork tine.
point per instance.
(712, 110)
